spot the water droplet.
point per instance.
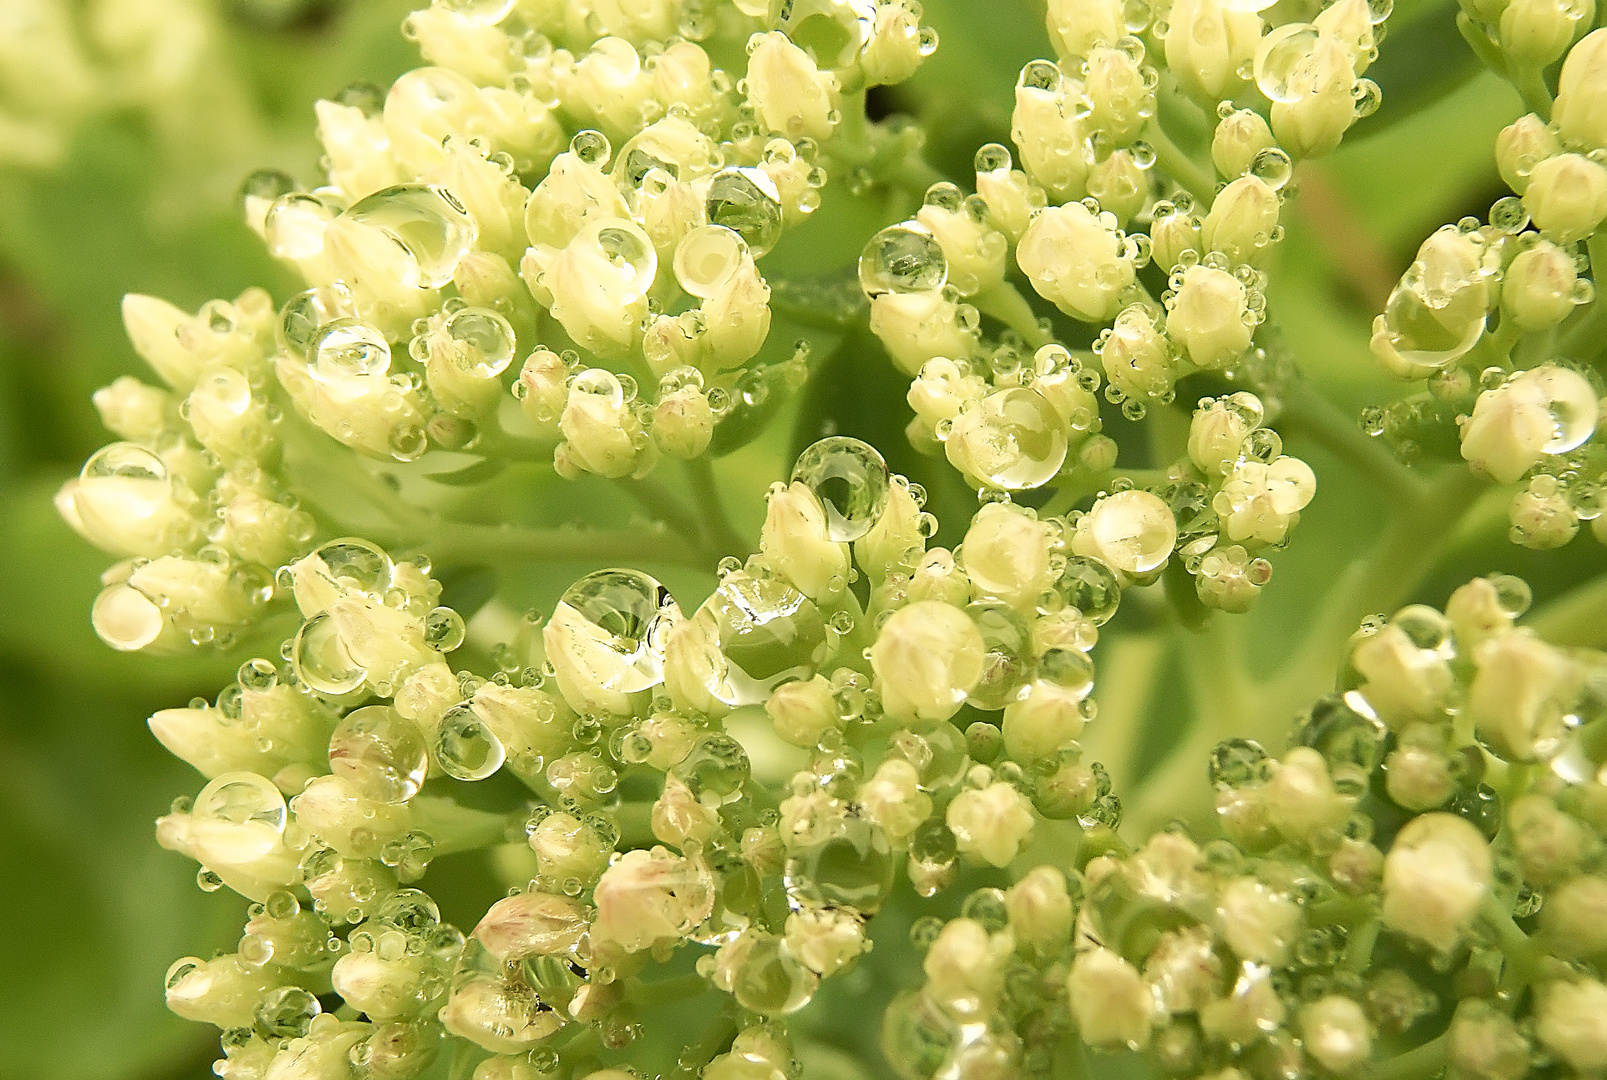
(1041, 75)
(267, 184)
(126, 461)
(1237, 763)
(287, 1012)
(1013, 439)
(834, 32)
(443, 629)
(746, 202)
(1348, 735)
(902, 259)
(1571, 401)
(1285, 62)
(764, 975)
(992, 158)
(238, 817)
(1069, 669)
(485, 338)
(426, 222)
(591, 147)
(706, 258)
(767, 633)
(623, 617)
(480, 12)
(346, 348)
(1272, 167)
(848, 863)
(628, 251)
(466, 748)
(257, 675)
(379, 753)
(714, 770)
(851, 481)
(308, 312)
(1007, 664)
(321, 659)
(1091, 587)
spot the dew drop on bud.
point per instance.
(1284, 61)
(902, 259)
(746, 202)
(1013, 439)
(287, 1012)
(379, 753)
(443, 629)
(850, 479)
(321, 659)
(1091, 587)
(466, 748)
(706, 258)
(348, 348)
(1007, 660)
(479, 12)
(485, 341)
(238, 817)
(620, 619)
(767, 633)
(425, 221)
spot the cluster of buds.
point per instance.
(1485, 312)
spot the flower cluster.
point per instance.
(544, 249)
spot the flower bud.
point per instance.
(496, 1015)
(1571, 1022)
(1076, 261)
(1046, 129)
(1314, 123)
(224, 991)
(678, 817)
(382, 987)
(1543, 410)
(574, 192)
(1549, 842)
(993, 823)
(1119, 100)
(295, 730)
(1243, 220)
(1484, 1043)
(791, 96)
(649, 897)
(1541, 515)
(1301, 798)
(1109, 1000)
(974, 250)
(606, 87)
(174, 603)
(915, 327)
(826, 940)
(1522, 145)
(356, 148)
(895, 49)
(1006, 555)
(495, 200)
(926, 658)
(892, 798)
(1540, 288)
(965, 966)
(1335, 1031)
(1237, 141)
(1248, 1012)
(332, 810)
(1173, 232)
(1040, 909)
(544, 390)
(796, 542)
(1536, 33)
(1047, 720)
(1207, 45)
(1418, 772)
(599, 425)
(1350, 22)
(1403, 681)
(1481, 609)
(531, 924)
(1077, 26)
(1263, 502)
(1132, 532)
(373, 413)
(133, 411)
(126, 503)
(1209, 317)
(1258, 924)
(1567, 197)
(598, 283)
(896, 543)
(472, 47)
(942, 388)
(1519, 697)
(1120, 184)
(569, 848)
(693, 664)
(736, 316)
(1574, 918)
(683, 423)
(1011, 198)
(1580, 112)
(1435, 876)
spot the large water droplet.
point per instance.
(628, 614)
(379, 753)
(347, 348)
(426, 222)
(466, 748)
(321, 659)
(768, 633)
(706, 257)
(308, 312)
(1571, 401)
(125, 618)
(849, 864)
(850, 479)
(746, 202)
(765, 977)
(352, 563)
(486, 341)
(1012, 439)
(126, 461)
(1091, 587)
(1007, 665)
(239, 816)
(1134, 530)
(833, 31)
(295, 226)
(902, 259)
(714, 770)
(1285, 62)
(287, 1012)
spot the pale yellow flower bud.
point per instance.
(1210, 318)
(1011, 199)
(915, 327)
(1076, 261)
(1538, 32)
(649, 897)
(1544, 410)
(1336, 1032)
(1301, 798)
(573, 193)
(1207, 45)
(1435, 876)
(1520, 697)
(1522, 145)
(1109, 1000)
(894, 51)
(1567, 197)
(606, 87)
(796, 542)
(1350, 22)
(683, 423)
(826, 940)
(791, 96)
(1132, 532)
(1120, 184)
(1243, 220)
(1571, 1022)
(1006, 555)
(1314, 123)
(1172, 233)
(1120, 101)
(1237, 141)
(736, 316)
(1262, 502)
(357, 148)
(1040, 909)
(1052, 140)
(1540, 288)
(974, 250)
(927, 657)
(1077, 26)
(1258, 923)
(482, 52)
(992, 823)
(1580, 112)
(600, 427)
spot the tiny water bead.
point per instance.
(767, 633)
(466, 747)
(321, 659)
(485, 341)
(444, 629)
(379, 753)
(627, 615)
(902, 259)
(1012, 439)
(850, 479)
(746, 202)
(480, 12)
(348, 348)
(239, 815)
(426, 222)
(706, 258)
(1237, 763)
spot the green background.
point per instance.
(141, 199)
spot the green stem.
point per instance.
(1177, 164)
(663, 506)
(1308, 413)
(1359, 949)
(715, 1037)
(1005, 303)
(1531, 83)
(456, 828)
(1488, 52)
(717, 528)
(1522, 957)
(454, 541)
(1588, 333)
(1421, 1063)
(664, 991)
